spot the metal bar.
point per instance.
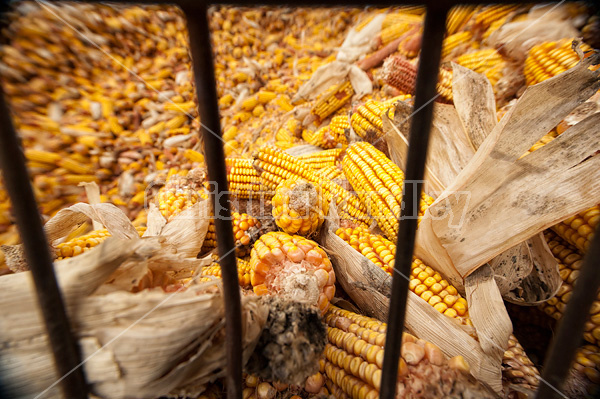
(206, 90)
(16, 180)
(570, 329)
(433, 34)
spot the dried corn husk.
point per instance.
(153, 342)
(370, 287)
(455, 136)
(512, 199)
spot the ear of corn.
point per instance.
(412, 13)
(83, 243)
(458, 17)
(245, 231)
(322, 159)
(323, 137)
(243, 271)
(579, 230)
(299, 207)
(569, 262)
(424, 281)
(585, 373)
(481, 60)
(281, 264)
(242, 178)
(353, 361)
(275, 166)
(452, 42)
(331, 172)
(332, 99)
(400, 73)
(402, 25)
(492, 13)
(549, 59)
(378, 183)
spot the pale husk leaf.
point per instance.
(153, 342)
(512, 199)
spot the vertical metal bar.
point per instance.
(16, 180)
(433, 34)
(202, 62)
(570, 329)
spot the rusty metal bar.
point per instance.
(16, 180)
(570, 329)
(206, 90)
(433, 35)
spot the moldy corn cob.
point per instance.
(299, 207)
(294, 267)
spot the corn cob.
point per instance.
(548, 137)
(452, 42)
(400, 73)
(322, 159)
(481, 60)
(332, 99)
(299, 207)
(492, 13)
(549, 59)
(444, 85)
(569, 262)
(399, 28)
(584, 379)
(579, 230)
(338, 127)
(243, 271)
(84, 243)
(323, 138)
(281, 264)
(378, 183)
(458, 17)
(353, 361)
(331, 172)
(424, 281)
(276, 166)
(172, 200)
(245, 228)
(404, 13)
(243, 179)
(435, 290)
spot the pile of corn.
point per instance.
(105, 94)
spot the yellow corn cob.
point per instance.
(73, 180)
(75, 167)
(494, 26)
(322, 159)
(299, 207)
(333, 99)
(243, 272)
(492, 13)
(458, 17)
(406, 13)
(585, 373)
(230, 133)
(338, 127)
(193, 156)
(517, 368)
(173, 200)
(249, 103)
(453, 41)
(245, 227)
(185, 107)
(444, 85)
(84, 243)
(274, 263)
(275, 166)
(366, 121)
(480, 60)
(331, 172)
(424, 281)
(266, 96)
(42, 156)
(400, 73)
(579, 230)
(393, 32)
(549, 59)
(378, 183)
(353, 361)
(176, 121)
(569, 262)
(243, 179)
(321, 138)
